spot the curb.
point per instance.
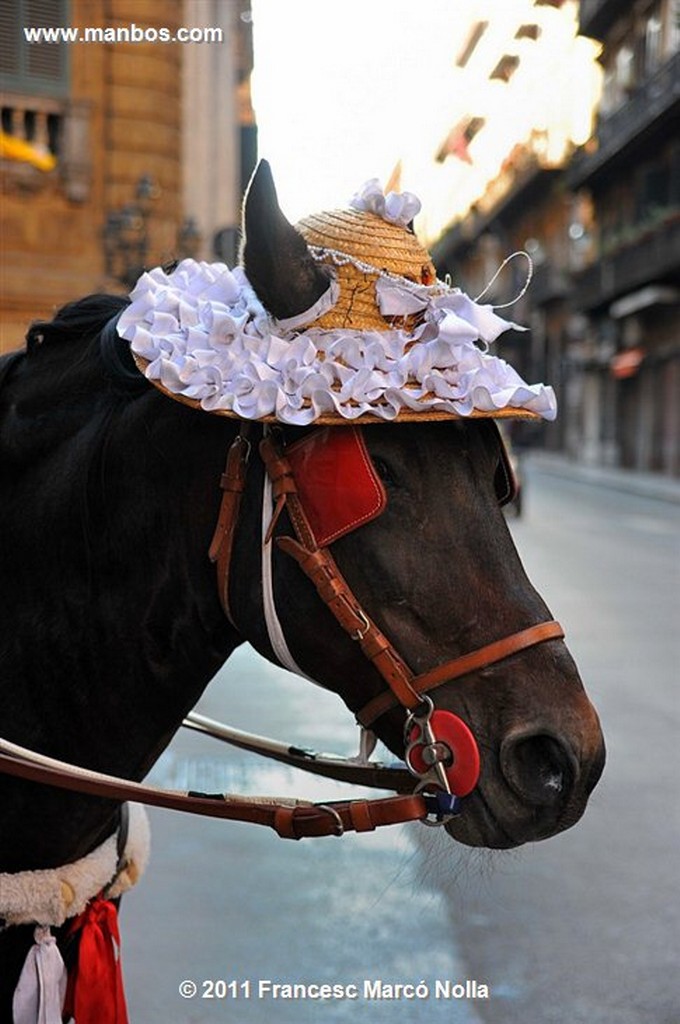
(645, 485)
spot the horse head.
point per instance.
(436, 570)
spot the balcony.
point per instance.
(58, 128)
(37, 121)
(597, 16)
(653, 255)
(655, 101)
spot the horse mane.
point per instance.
(70, 380)
(80, 320)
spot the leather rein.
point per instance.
(434, 741)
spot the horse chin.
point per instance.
(476, 826)
(479, 826)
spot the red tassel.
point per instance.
(95, 992)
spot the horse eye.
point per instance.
(384, 472)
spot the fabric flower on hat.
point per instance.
(395, 207)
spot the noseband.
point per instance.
(440, 749)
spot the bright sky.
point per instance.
(338, 85)
(344, 89)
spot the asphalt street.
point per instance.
(581, 929)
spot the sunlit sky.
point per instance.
(344, 89)
(339, 85)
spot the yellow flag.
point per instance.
(12, 148)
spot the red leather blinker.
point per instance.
(336, 482)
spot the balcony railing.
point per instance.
(37, 120)
(653, 256)
(650, 102)
(61, 128)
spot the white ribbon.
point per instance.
(206, 337)
(39, 995)
(274, 629)
(315, 312)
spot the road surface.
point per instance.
(582, 929)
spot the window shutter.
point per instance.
(9, 49)
(27, 67)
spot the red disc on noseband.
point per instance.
(448, 728)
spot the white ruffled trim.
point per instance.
(207, 337)
(396, 207)
(49, 897)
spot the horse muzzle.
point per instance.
(537, 786)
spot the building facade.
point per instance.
(602, 226)
(628, 292)
(110, 145)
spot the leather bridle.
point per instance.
(440, 750)
(438, 739)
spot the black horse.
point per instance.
(112, 628)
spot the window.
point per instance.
(476, 33)
(528, 31)
(619, 79)
(652, 43)
(505, 68)
(625, 68)
(33, 68)
(457, 141)
(674, 164)
(672, 27)
(652, 192)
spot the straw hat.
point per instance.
(200, 335)
(374, 242)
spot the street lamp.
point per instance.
(126, 235)
(189, 239)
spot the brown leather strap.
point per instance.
(489, 654)
(280, 473)
(321, 568)
(472, 662)
(233, 483)
(318, 564)
(291, 819)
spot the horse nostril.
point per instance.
(540, 768)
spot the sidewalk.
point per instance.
(646, 485)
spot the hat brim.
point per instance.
(405, 415)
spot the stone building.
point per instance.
(150, 140)
(601, 222)
(627, 366)
(525, 209)
(535, 82)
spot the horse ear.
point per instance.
(275, 256)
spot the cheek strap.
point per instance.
(274, 628)
(405, 688)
